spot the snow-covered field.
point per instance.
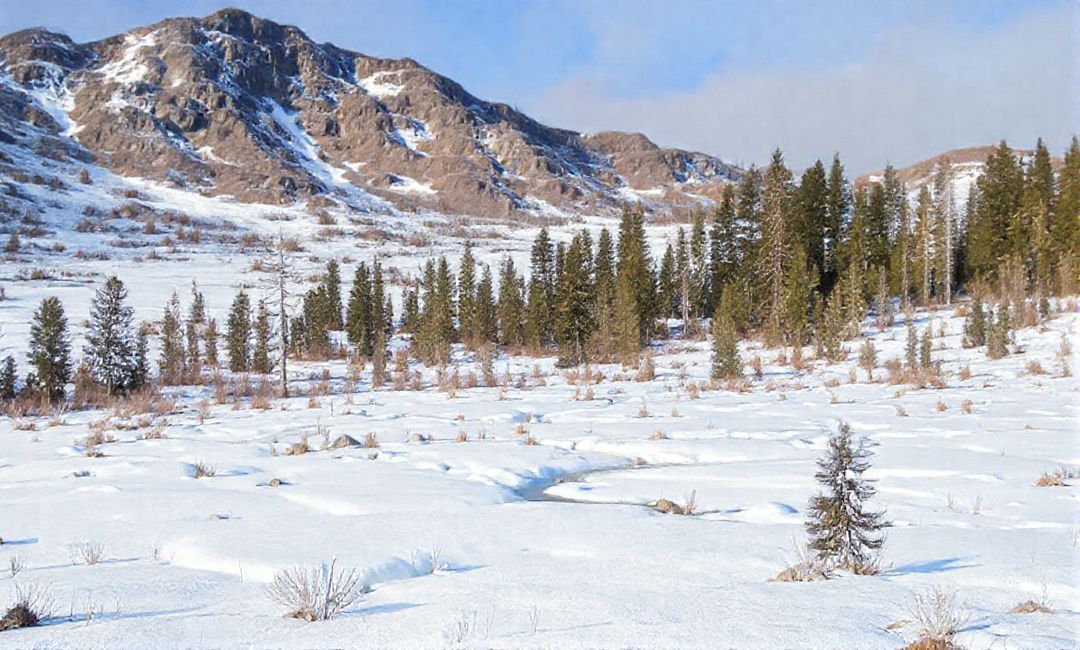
(548, 544)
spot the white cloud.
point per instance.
(919, 91)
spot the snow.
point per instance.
(308, 152)
(412, 135)
(377, 85)
(409, 185)
(561, 526)
(129, 69)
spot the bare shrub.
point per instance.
(690, 503)
(203, 470)
(89, 553)
(1033, 367)
(315, 593)
(965, 373)
(659, 435)
(371, 441)
(941, 405)
(937, 615)
(900, 411)
(966, 405)
(1056, 478)
(15, 565)
(33, 604)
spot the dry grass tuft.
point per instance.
(315, 593)
(938, 616)
(88, 553)
(203, 470)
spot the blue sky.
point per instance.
(878, 81)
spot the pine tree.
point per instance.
(911, 348)
(634, 277)
(195, 329)
(840, 527)
(332, 281)
(487, 320)
(604, 294)
(410, 311)
(945, 213)
(925, 346)
(140, 371)
(210, 336)
(238, 333)
(466, 287)
(573, 309)
(110, 351)
(698, 292)
(8, 379)
(511, 306)
(171, 361)
(261, 361)
(50, 349)
(975, 325)
(775, 244)
(999, 193)
(539, 328)
(812, 224)
(924, 244)
(1064, 226)
(837, 206)
(666, 299)
(360, 319)
(382, 313)
(997, 335)
(726, 362)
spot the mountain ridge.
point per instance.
(235, 105)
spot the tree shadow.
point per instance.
(934, 566)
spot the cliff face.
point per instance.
(232, 104)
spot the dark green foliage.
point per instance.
(238, 333)
(171, 363)
(486, 319)
(50, 348)
(110, 351)
(975, 325)
(332, 282)
(140, 371)
(8, 379)
(841, 529)
(574, 321)
(466, 289)
(210, 336)
(635, 291)
(511, 306)
(539, 321)
(361, 313)
(726, 362)
(261, 361)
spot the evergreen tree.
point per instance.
(604, 293)
(171, 362)
(997, 335)
(911, 348)
(813, 218)
(1064, 225)
(238, 333)
(332, 281)
(837, 206)
(466, 287)
(924, 245)
(360, 320)
(841, 529)
(261, 361)
(382, 316)
(634, 270)
(487, 319)
(110, 351)
(699, 279)
(8, 379)
(50, 349)
(776, 244)
(726, 362)
(410, 311)
(539, 328)
(210, 336)
(573, 309)
(945, 227)
(195, 329)
(999, 193)
(723, 247)
(975, 325)
(511, 306)
(140, 372)
(665, 284)
(925, 346)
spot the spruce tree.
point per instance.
(238, 333)
(775, 244)
(360, 321)
(210, 337)
(410, 311)
(635, 280)
(466, 286)
(50, 349)
(911, 348)
(171, 361)
(925, 346)
(332, 282)
(604, 293)
(573, 310)
(841, 529)
(110, 351)
(261, 361)
(726, 362)
(975, 325)
(511, 306)
(487, 320)
(8, 379)
(195, 329)
(140, 372)
(539, 328)
(997, 335)
(837, 206)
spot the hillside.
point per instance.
(234, 105)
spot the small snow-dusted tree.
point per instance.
(925, 346)
(210, 337)
(911, 348)
(171, 363)
(975, 325)
(50, 349)
(840, 527)
(868, 358)
(997, 335)
(726, 363)
(110, 351)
